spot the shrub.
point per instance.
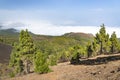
(53, 60)
(41, 65)
(75, 58)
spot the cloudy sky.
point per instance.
(56, 17)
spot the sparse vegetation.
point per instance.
(37, 53)
(101, 44)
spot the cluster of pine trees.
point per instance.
(101, 44)
(24, 57)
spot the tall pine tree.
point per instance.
(101, 38)
(23, 53)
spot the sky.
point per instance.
(56, 17)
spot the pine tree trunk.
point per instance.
(112, 49)
(26, 66)
(101, 46)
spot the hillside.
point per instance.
(5, 51)
(55, 45)
(9, 32)
(47, 44)
(78, 35)
(62, 49)
(64, 71)
(82, 37)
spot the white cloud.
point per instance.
(34, 22)
(47, 28)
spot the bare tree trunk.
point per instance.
(27, 66)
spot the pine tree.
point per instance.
(22, 55)
(114, 42)
(15, 61)
(40, 62)
(101, 38)
(77, 53)
(89, 50)
(92, 48)
(107, 44)
(27, 50)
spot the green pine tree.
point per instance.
(15, 61)
(107, 44)
(101, 38)
(77, 53)
(23, 52)
(89, 50)
(114, 42)
(40, 62)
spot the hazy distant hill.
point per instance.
(9, 36)
(77, 36)
(83, 37)
(9, 32)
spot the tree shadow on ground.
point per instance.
(98, 60)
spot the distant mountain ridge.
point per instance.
(9, 32)
(13, 33)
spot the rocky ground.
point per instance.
(65, 71)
